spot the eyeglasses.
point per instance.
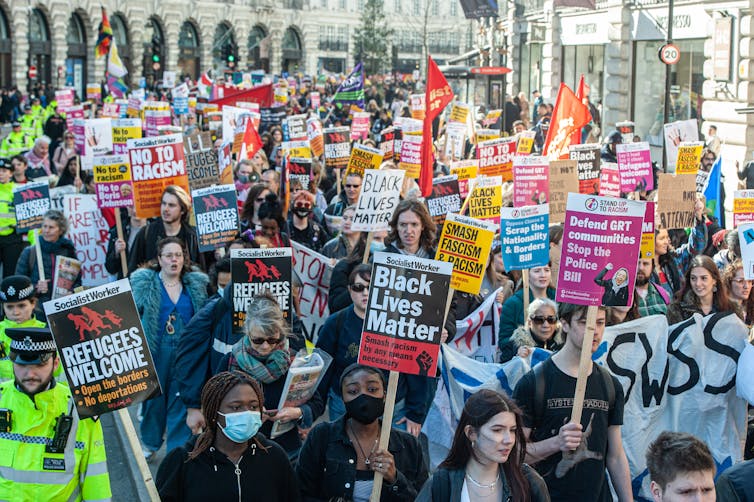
(741, 282)
(540, 319)
(358, 288)
(170, 256)
(271, 340)
(353, 186)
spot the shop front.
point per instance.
(583, 40)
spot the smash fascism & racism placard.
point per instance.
(466, 243)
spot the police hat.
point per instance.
(30, 345)
(5, 163)
(27, 107)
(15, 288)
(16, 123)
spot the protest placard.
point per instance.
(483, 135)
(466, 170)
(180, 99)
(531, 180)
(387, 139)
(743, 207)
(112, 181)
(496, 157)
(486, 199)
(525, 142)
(466, 243)
(380, 193)
(216, 211)
(609, 180)
(404, 318)
(256, 270)
(299, 172)
(65, 99)
(298, 148)
(64, 276)
(337, 147)
(31, 200)
(294, 128)
(360, 126)
(94, 92)
(232, 120)
(314, 134)
(271, 117)
(455, 140)
(746, 241)
(411, 161)
(363, 157)
(525, 237)
(98, 137)
(600, 250)
(315, 100)
(133, 108)
(397, 142)
(89, 232)
(635, 165)
(156, 163)
(417, 106)
(688, 157)
(225, 164)
(563, 180)
(74, 113)
(676, 133)
(57, 194)
(702, 178)
(103, 348)
(444, 199)
(587, 159)
(647, 249)
(409, 125)
(313, 271)
(156, 116)
(676, 198)
(459, 112)
(109, 110)
(201, 160)
(123, 130)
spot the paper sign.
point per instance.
(466, 244)
(380, 193)
(496, 157)
(635, 165)
(411, 161)
(32, 201)
(94, 92)
(337, 147)
(360, 126)
(600, 250)
(466, 170)
(89, 232)
(65, 99)
(588, 166)
(444, 199)
(403, 321)
(676, 199)
(298, 148)
(676, 133)
(299, 172)
(486, 199)
(123, 130)
(295, 127)
(98, 137)
(483, 135)
(743, 207)
(459, 112)
(216, 211)
(525, 142)
(689, 157)
(563, 180)
(201, 160)
(314, 271)
(416, 105)
(531, 180)
(610, 180)
(455, 140)
(648, 232)
(387, 143)
(525, 236)
(316, 139)
(66, 271)
(362, 158)
(112, 181)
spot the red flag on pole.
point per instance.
(252, 143)
(581, 92)
(436, 97)
(569, 116)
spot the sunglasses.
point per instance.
(353, 186)
(540, 319)
(358, 288)
(271, 340)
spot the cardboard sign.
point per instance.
(337, 147)
(455, 140)
(112, 181)
(300, 171)
(466, 243)
(676, 199)
(444, 199)
(254, 271)
(387, 140)
(103, 349)
(466, 170)
(610, 180)
(380, 193)
(563, 180)
(525, 142)
(216, 211)
(635, 165)
(314, 271)
(123, 130)
(66, 271)
(362, 158)
(689, 157)
(587, 159)
(89, 232)
(647, 249)
(406, 310)
(155, 164)
(600, 250)
(411, 161)
(32, 201)
(486, 199)
(525, 236)
(531, 180)
(314, 134)
(201, 160)
(459, 112)
(743, 207)
(496, 157)
(360, 126)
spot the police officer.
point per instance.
(46, 451)
(11, 242)
(16, 143)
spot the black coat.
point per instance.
(144, 247)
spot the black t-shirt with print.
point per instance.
(581, 477)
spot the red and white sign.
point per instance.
(32, 72)
(670, 54)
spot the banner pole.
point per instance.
(365, 258)
(387, 423)
(38, 250)
(119, 229)
(525, 278)
(133, 441)
(585, 364)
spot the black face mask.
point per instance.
(365, 408)
(302, 212)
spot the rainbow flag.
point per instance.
(104, 36)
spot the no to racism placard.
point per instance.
(216, 211)
(112, 181)
(587, 159)
(689, 157)
(123, 130)
(337, 147)
(600, 250)
(404, 317)
(563, 180)
(444, 198)
(496, 157)
(743, 207)
(254, 271)
(524, 234)
(380, 192)
(103, 348)
(486, 199)
(31, 201)
(466, 170)
(610, 180)
(156, 163)
(362, 158)
(466, 244)
(676, 199)
(635, 165)
(531, 180)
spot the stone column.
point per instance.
(615, 105)
(551, 54)
(20, 46)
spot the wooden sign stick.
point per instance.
(365, 258)
(387, 424)
(525, 277)
(119, 229)
(38, 249)
(585, 364)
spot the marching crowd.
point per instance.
(219, 388)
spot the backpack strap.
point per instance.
(607, 378)
(539, 393)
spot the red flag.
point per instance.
(252, 143)
(569, 116)
(581, 91)
(436, 97)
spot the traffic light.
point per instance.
(230, 57)
(156, 54)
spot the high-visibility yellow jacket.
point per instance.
(6, 365)
(15, 144)
(7, 209)
(31, 125)
(27, 472)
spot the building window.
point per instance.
(397, 6)
(454, 9)
(342, 4)
(417, 7)
(436, 7)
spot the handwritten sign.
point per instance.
(563, 180)
(676, 198)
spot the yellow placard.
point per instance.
(486, 135)
(466, 244)
(647, 249)
(363, 158)
(525, 144)
(689, 155)
(464, 172)
(123, 134)
(485, 202)
(459, 112)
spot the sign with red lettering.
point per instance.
(496, 157)
(89, 232)
(216, 211)
(314, 271)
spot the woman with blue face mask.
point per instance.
(229, 460)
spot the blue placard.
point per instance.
(525, 236)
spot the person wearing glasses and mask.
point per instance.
(303, 229)
(340, 458)
(230, 460)
(541, 330)
(167, 293)
(265, 354)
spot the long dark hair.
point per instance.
(478, 410)
(247, 211)
(720, 298)
(747, 306)
(429, 229)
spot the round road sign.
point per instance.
(32, 72)
(670, 54)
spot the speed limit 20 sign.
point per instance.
(670, 54)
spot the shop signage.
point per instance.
(721, 47)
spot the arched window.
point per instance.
(292, 54)
(75, 64)
(224, 43)
(40, 47)
(188, 51)
(259, 49)
(6, 54)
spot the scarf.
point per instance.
(264, 369)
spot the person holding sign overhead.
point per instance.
(48, 452)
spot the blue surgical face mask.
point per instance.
(243, 178)
(241, 426)
(220, 290)
(376, 247)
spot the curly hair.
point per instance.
(429, 229)
(264, 314)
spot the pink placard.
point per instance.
(531, 180)
(635, 166)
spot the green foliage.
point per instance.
(372, 38)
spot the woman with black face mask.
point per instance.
(339, 459)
